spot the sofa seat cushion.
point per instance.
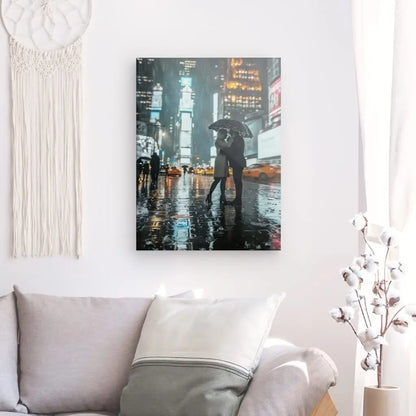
(290, 381)
(9, 387)
(75, 353)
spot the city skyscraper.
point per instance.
(186, 74)
(243, 89)
(274, 82)
(144, 88)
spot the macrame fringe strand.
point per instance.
(46, 110)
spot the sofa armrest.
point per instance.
(290, 381)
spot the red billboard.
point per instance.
(275, 100)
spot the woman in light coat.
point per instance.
(221, 165)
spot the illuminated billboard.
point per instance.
(269, 145)
(185, 139)
(155, 115)
(255, 126)
(157, 97)
(186, 82)
(186, 122)
(275, 99)
(186, 103)
(185, 151)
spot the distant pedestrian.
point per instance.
(139, 169)
(185, 169)
(146, 170)
(155, 168)
(221, 166)
(235, 154)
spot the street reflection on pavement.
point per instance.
(175, 216)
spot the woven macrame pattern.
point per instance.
(46, 63)
(46, 150)
(46, 24)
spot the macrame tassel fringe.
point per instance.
(46, 113)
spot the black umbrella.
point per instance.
(234, 125)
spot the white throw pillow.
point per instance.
(197, 356)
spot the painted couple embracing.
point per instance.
(230, 154)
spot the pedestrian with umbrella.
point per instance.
(235, 152)
(220, 166)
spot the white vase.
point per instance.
(381, 401)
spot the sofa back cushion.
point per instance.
(9, 388)
(76, 353)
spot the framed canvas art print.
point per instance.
(208, 154)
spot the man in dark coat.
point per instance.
(155, 167)
(235, 154)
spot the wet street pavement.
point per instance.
(175, 216)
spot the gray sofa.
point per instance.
(61, 355)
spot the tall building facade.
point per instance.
(274, 83)
(145, 68)
(186, 75)
(186, 106)
(243, 87)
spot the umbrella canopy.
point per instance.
(234, 125)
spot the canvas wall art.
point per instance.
(208, 153)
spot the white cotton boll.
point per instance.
(370, 333)
(370, 339)
(379, 306)
(343, 314)
(376, 342)
(336, 314)
(390, 237)
(369, 362)
(359, 261)
(348, 312)
(401, 324)
(352, 280)
(352, 300)
(396, 270)
(359, 221)
(350, 277)
(345, 272)
(362, 275)
(371, 264)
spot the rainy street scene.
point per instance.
(208, 154)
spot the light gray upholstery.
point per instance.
(290, 381)
(61, 414)
(76, 353)
(9, 388)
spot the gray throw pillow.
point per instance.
(9, 388)
(75, 353)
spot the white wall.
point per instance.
(320, 176)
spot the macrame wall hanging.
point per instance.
(46, 81)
